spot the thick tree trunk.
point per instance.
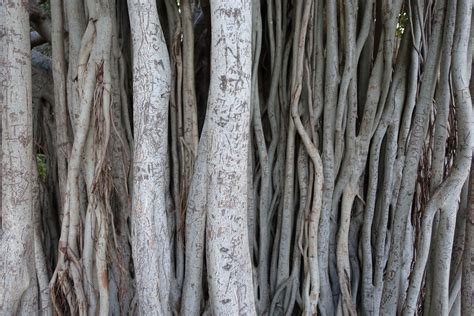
(17, 268)
(227, 133)
(151, 89)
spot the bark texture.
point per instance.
(151, 89)
(236, 157)
(17, 270)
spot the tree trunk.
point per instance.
(228, 126)
(151, 89)
(17, 269)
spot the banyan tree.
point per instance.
(236, 157)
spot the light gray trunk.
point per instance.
(16, 240)
(228, 122)
(151, 89)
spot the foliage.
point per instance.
(402, 24)
(41, 165)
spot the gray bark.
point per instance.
(151, 87)
(17, 269)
